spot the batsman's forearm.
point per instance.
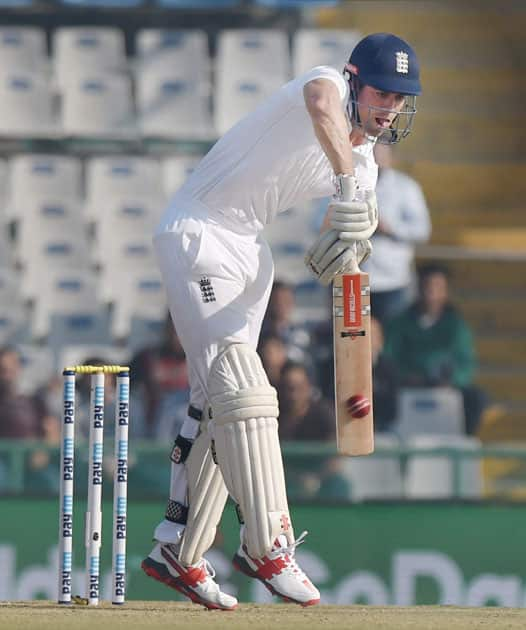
(333, 136)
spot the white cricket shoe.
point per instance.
(279, 572)
(195, 582)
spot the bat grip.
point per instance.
(353, 263)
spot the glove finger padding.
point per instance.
(329, 256)
(355, 220)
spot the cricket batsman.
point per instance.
(312, 138)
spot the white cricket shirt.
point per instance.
(268, 162)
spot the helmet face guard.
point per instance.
(401, 125)
(389, 64)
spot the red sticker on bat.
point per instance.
(352, 301)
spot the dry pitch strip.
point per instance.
(136, 615)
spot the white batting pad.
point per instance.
(207, 498)
(245, 430)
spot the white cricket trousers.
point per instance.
(218, 285)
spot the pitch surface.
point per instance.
(136, 615)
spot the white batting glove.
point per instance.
(330, 256)
(355, 219)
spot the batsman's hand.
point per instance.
(355, 220)
(330, 256)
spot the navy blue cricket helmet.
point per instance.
(388, 63)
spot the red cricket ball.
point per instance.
(358, 406)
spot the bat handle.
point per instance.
(353, 264)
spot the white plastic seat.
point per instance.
(121, 177)
(140, 304)
(7, 257)
(436, 410)
(4, 193)
(44, 219)
(289, 236)
(122, 258)
(237, 96)
(40, 176)
(175, 171)
(322, 47)
(9, 284)
(22, 48)
(122, 219)
(37, 367)
(376, 476)
(87, 51)
(98, 105)
(26, 105)
(262, 52)
(173, 107)
(433, 476)
(68, 310)
(183, 53)
(14, 323)
(53, 253)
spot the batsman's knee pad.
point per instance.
(245, 430)
(207, 495)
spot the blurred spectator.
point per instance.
(385, 380)
(278, 321)
(431, 344)
(20, 415)
(403, 222)
(334, 482)
(160, 374)
(303, 414)
(273, 355)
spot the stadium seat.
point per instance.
(433, 477)
(297, 4)
(122, 219)
(236, 97)
(139, 310)
(250, 65)
(121, 177)
(6, 248)
(39, 176)
(26, 106)
(437, 410)
(9, 283)
(264, 52)
(15, 4)
(169, 107)
(322, 47)
(87, 51)
(46, 218)
(14, 323)
(98, 106)
(289, 236)
(51, 235)
(198, 4)
(68, 310)
(105, 4)
(123, 260)
(22, 48)
(176, 169)
(4, 191)
(184, 53)
(38, 367)
(376, 477)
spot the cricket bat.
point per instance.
(353, 363)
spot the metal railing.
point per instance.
(18, 472)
